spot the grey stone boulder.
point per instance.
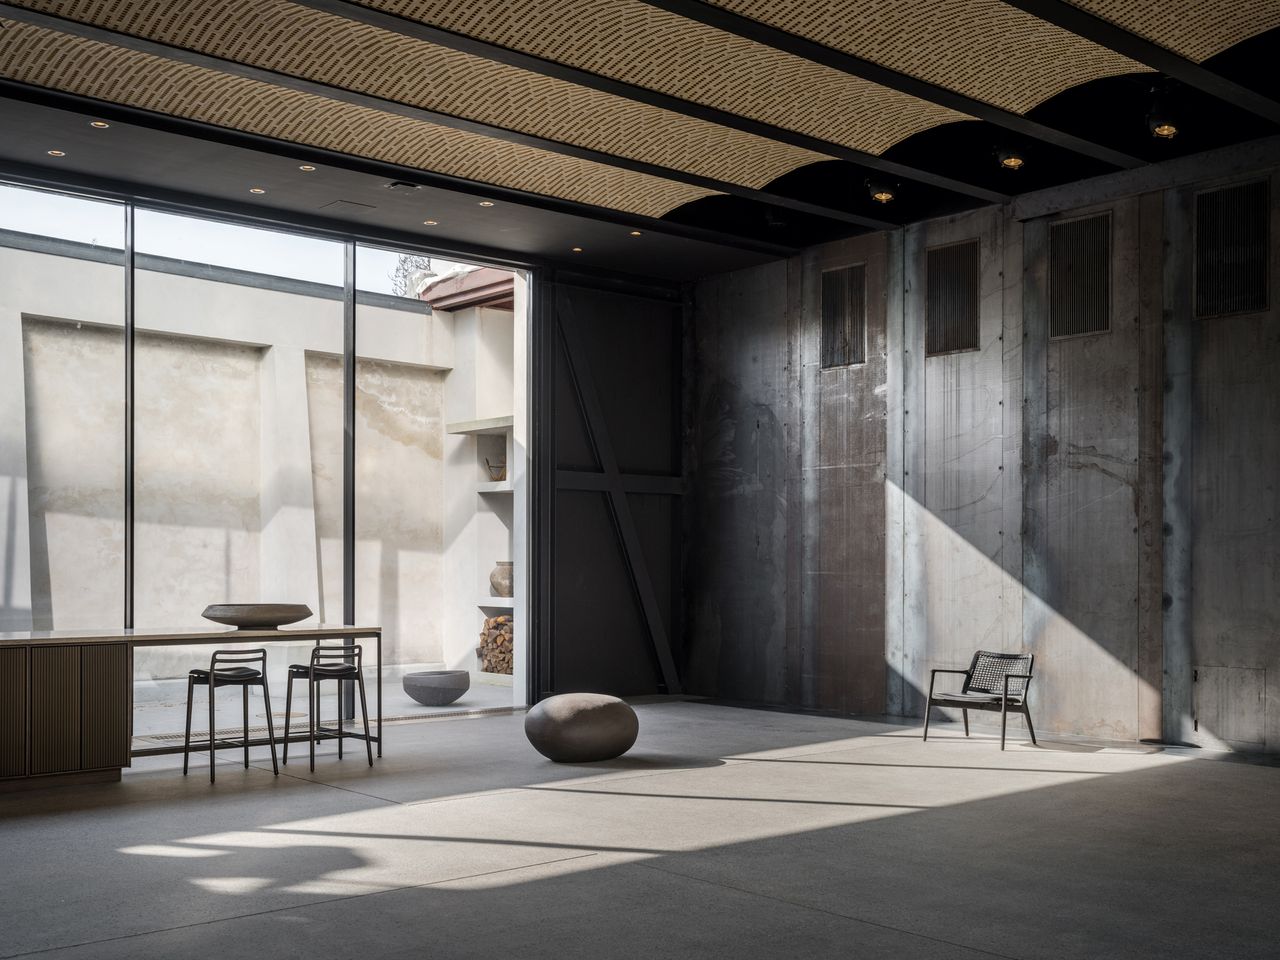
(437, 688)
(581, 727)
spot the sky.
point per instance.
(202, 241)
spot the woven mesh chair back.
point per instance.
(987, 672)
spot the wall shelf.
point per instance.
(476, 428)
(499, 486)
(497, 603)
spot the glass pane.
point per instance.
(238, 427)
(431, 524)
(62, 416)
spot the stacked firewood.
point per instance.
(495, 645)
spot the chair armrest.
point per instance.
(933, 675)
(1016, 676)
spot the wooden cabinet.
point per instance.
(65, 708)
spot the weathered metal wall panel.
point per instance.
(744, 487)
(849, 633)
(1235, 515)
(959, 513)
(1083, 529)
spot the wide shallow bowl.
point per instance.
(256, 616)
(437, 688)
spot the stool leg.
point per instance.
(364, 710)
(212, 741)
(288, 709)
(271, 726)
(1030, 729)
(313, 703)
(244, 691)
(1004, 719)
(341, 722)
(186, 742)
(966, 722)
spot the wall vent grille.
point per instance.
(1080, 276)
(952, 298)
(1232, 236)
(844, 316)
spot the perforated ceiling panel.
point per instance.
(47, 58)
(1197, 29)
(981, 48)
(305, 43)
(636, 43)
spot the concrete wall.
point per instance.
(239, 449)
(1106, 502)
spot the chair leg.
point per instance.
(1026, 712)
(341, 723)
(1004, 717)
(966, 721)
(288, 709)
(313, 701)
(212, 740)
(186, 742)
(244, 696)
(364, 711)
(926, 721)
(271, 726)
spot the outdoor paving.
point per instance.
(724, 833)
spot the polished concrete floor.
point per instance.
(725, 833)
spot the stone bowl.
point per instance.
(437, 688)
(581, 727)
(256, 616)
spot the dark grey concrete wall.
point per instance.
(1107, 502)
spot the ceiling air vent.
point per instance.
(1080, 276)
(400, 186)
(952, 298)
(1232, 234)
(844, 316)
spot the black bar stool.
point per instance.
(327, 663)
(230, 668)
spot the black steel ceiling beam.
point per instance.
(688, 108)
(287, 149)
(854, 66)
(396, 108)
(1107, 34)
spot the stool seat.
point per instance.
(326, 671)
(226, 675)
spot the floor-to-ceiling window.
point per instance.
(239, 340)
(235, 431)
(62, 410)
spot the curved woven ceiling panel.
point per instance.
(981, 48)
(47, 58)
(636, 43)
(305, 43)
(1196, 29)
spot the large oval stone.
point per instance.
(581, 727)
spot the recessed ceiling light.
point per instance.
(636, 233)
(1010, 159)
(306, 168)
(56, 153)
(256, 190)
(577, 249)
(486, 203)
(880, 192)
(99, 124)
(430, 223)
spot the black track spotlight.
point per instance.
(881, 192)
(1010, 159)
(1162, 119)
